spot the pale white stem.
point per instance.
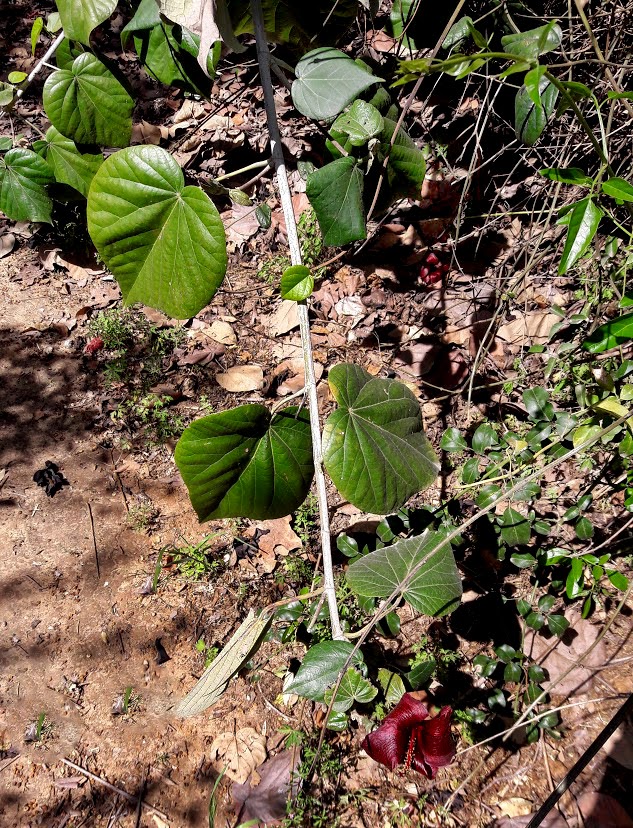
(43, 62)
(263, 57)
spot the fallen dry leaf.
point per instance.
(532, 329)
(239, 752)
(580, 635)
(266, 802)
(222, 332)
(241, 378)
(515, 806)
(7, 243)
(277, 533)
(145, 133)
(284, 319)
(240, 223)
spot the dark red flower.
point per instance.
(95, 344)
(432, 270)
(409, 736)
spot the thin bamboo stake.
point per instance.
(34, 72)
(263, 57)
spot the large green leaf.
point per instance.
(70, 165)
(80, 17)
(582, 222)
(321, 667)
(66, 53)
(530, 119)
(400, 17)
(618, 188)
(242, 463)
(23, 179)
(406, 168)
(374, 448)
(434, 590)
(327, 80)
(88, 104)
(163, 241)
(535, 42)
(336, 194)
(611, 334)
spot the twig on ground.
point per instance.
(94, 541)
(133, 799)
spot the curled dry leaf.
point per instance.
(239, 752)
(241, 378)
(7, 243)
(278, 533)
(266, 802)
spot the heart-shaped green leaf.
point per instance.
(327, 80)
(321, 667)
(70, 165)
(407, 166)
(163, 241)
(243, 463)
(434, 590)
(336, 194)
(80, 17)
(361, 122)
(66, 53)
(88, 104)
(530, 119)
(23, 179)
(297, 283)
(353, 688)
(374, 448)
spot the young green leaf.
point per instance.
(80, 17)
(374, 447)
(36, 31)
(406, 168)
(353, 688)
(297, 283)
(70, 165)
(23, 179)
(164, 242)
(88, 104)
(243, 463)
(214, 681)
(567, 175)
(321, 667)
(435, 589)
(453, 440)
(533, 43)
(361, 122)
(327, 80)
(392, 686)
(532, 82)
(611, 334)
(615, 187)
(336, 194)
(582, 222)
(16, 77)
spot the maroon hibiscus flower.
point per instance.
(409, 735)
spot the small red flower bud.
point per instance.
(95, 344)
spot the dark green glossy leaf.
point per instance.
(374, 448)
(505, 653)
(70, 165)
(163, 241)
(470, 471)
(434, 590)
(336, 194)
(536, 400)
(88, 104)
(618, 580)
(584, 528)
(406, 167)
(536, 673)
(321, 667)
(485, 665)
(582, 222)
(531, 119)
(484, 438)
(80, 17)
(535, 620)
(348, 546)
(453, 440)
(523, 560)
(616, 332)
(242, 463)
(327, 80)
(515, 528)
(23, 179)
(512, 672)
(567, 175)
(487, 495)
(421, 672)
(297, 283)
(546, 602)
(401, 14)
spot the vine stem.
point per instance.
(34, 72)
(263, 59)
